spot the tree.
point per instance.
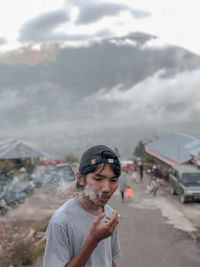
(70, 158)
(6, 166)
(139, 150)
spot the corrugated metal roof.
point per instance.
(195, 152)
(15, 149)
(193, 144)
(174, 147)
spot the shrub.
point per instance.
(41, 227)
(16, 250)
(22, 254)
(6, 166)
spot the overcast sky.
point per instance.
(176, 22)
(80, 72)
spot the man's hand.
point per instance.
(100, 231)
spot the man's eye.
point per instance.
(97, 179)
(114, 180)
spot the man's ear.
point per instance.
(80, 179)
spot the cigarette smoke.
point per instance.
(89, 191)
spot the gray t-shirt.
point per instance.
(67, 232)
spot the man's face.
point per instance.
(100, 185)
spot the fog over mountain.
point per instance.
(116, 91)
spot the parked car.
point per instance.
(185, 181)
(64, 172)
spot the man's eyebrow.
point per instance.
(102, 176)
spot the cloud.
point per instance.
(9, 98)
(115, 117)
(93, 11)
(29, 54)
(2, 41)
(43, 27)
(124, 42)
(139, 14)
(103, 93)
(136, 39)
(155, 43)
(153, 101)
(103, 33)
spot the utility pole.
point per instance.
(179, 154)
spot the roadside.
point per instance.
(22, 230)
(38, 206)
(182, 216)
(147, 237)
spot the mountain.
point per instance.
(105, 91)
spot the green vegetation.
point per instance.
(6, 166)
(21, 251)
(197, 235)
(71, 159)
(40, 227)
(25, 253)
(140, 152)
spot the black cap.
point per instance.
(96, 155)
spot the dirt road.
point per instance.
(150, 239)
(38, 206)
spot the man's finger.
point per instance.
(114, 220)
(99, 218)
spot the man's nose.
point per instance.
(106, 186)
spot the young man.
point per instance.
(83, 232)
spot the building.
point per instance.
(175, 148)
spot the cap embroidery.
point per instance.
(93, 161)
(110, 160)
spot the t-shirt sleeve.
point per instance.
(115, 244)
(58, 250)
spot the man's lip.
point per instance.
(104, 198)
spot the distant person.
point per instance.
(83, 232)
(155, 171)
(134, 176)
(141, 171)
(135, 167)
(153, 187)
(129, 193)
(134, 173)
(122, 185)
(23, 174)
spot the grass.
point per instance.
(41, 227)
(198, 235)
(195, 235)
(23, 252)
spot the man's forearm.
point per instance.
(114, 264)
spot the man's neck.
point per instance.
(90, 207)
